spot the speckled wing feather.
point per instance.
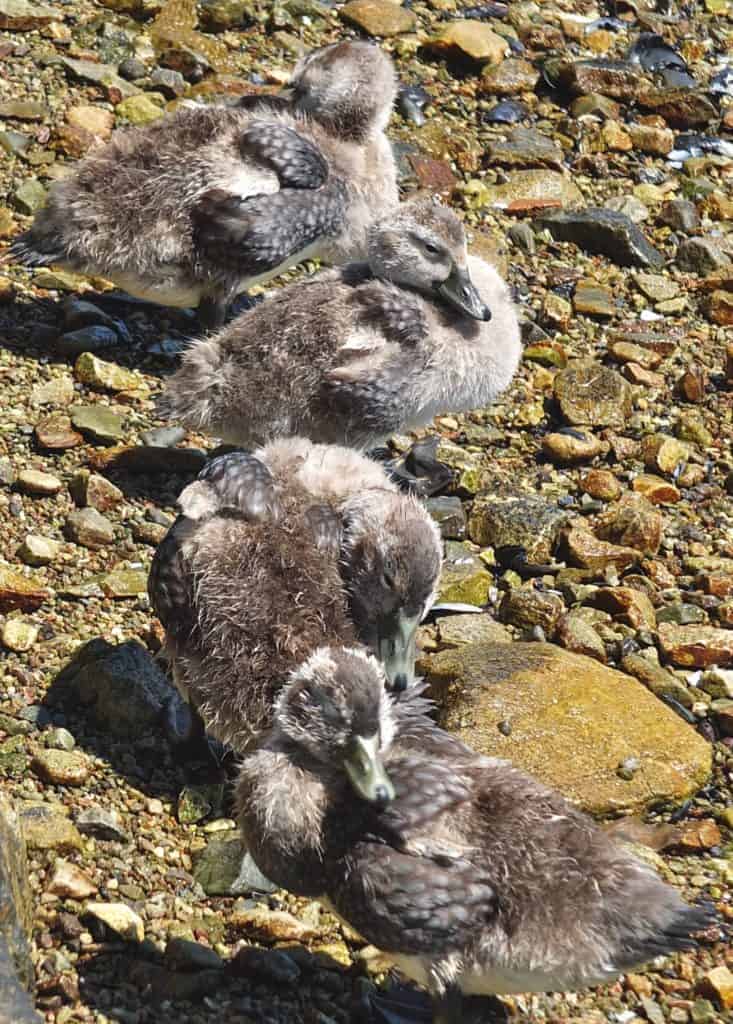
(169, 582)
(326, 527)
(392, 311)
(242, 483)
(295, 160)
(257, 234)
(407, 888)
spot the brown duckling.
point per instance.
(354, 355)
(472, 876)
(194, 209)
(277, 553)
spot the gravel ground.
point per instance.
(119, 819)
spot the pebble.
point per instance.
(89, 528)
(94, 338)
(566, 448)
(184, 955)
(55, 432)
(18, 635)
(32, 481)
(718, 984)
(45, 829)
(59, 738)
(58, 391)
(101, 823)
(70, 882)
(163, 437)
(139, 110)
(90, 369)
(605, 232)
(590, 394)
(381, 18)
(124, 583)
(61, 767)
(95, 491)
(97, 422)
(469, 39)
(601, 484)
(269, 965)
(527, 521)
(18, 591)
(120, 919)
(657, 490)
(36, 550)
(696, 646)
(270, 925)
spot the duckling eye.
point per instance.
(388, 574)
(431, 249)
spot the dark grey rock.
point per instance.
(522, 236)
(16, 967)
(7, 473)
(448, 513)
(121, 683)
(94, 338)
(529, 522)
(102, 824)
(171, 83)
(80, 313)
(132, 68)
(98, 423)
(700, 256)
(225, 868)
(680, 215)
(266, 965)
(184, 955)
(605, 232)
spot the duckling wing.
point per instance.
(240, 482)
(257, 234)
(326, 528)
(392, 311)
(169, 582)
(295, 160)
(410, 884)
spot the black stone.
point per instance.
(605, 232)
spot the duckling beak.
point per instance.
(459, 290)
(396, 648)
(366, 772)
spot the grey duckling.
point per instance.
(474, 877)
(276, 553)
(196, 208)
(353, 355)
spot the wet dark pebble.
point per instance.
(87, 339)
(132, 68)
(411, 102)
(506, 112)
(652, 53)
(721, 84)
(482, 11)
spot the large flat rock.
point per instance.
(16, 968)
(572, 723)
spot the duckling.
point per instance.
(275, 553)
(196, 208)
(472, 876)
(352, 355)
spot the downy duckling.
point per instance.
(354, 355)
(196, 208)
(276, 553)
(472, 876)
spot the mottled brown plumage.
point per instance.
(354, 355)
(276, 553)
(471, 875)
(196, 207)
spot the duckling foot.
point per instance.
(418, 471)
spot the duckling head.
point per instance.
(391, 558)
(348, 87)
(422, 245)
(336, 710)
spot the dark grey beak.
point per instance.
(396, 648)
(460, 291)
(366, 772)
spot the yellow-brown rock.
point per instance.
(470, 39)
(656, 489)
(572, 722)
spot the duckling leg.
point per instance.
(212, 312)
(448, 1007)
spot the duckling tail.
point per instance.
(676, 935)
(32, 250)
